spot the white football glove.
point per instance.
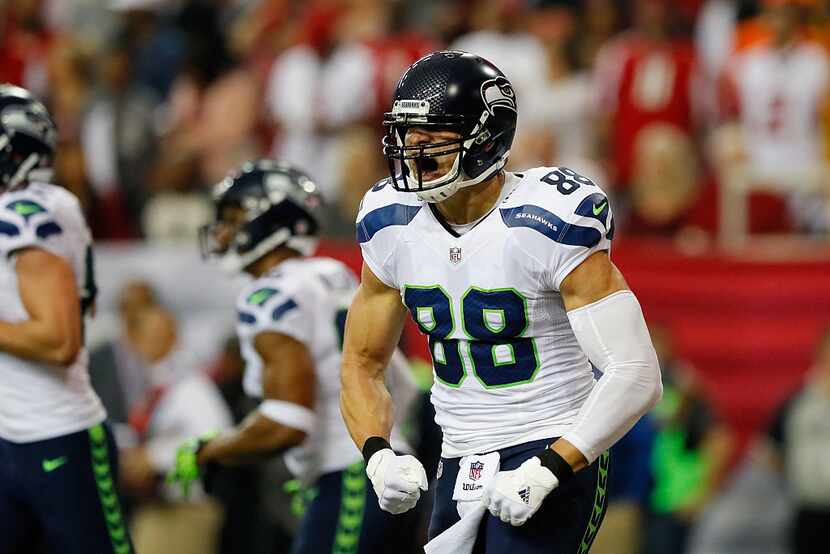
(514, 496)
(397, 480)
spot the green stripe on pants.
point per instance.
(107, 490)
(352, 505)
(600, 503)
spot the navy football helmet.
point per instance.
(27, 137)
(260, 207)
(453, 91)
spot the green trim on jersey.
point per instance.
(600, 504)
(107, 491)
(496, 361)
(352, 507)
(426, 309)
(487, 311)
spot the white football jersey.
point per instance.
(507, 366)
(308, 299)
(39, 401)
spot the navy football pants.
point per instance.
(345, 518)
(566, 523)
(62, 491)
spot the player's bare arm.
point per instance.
(373, 327)
(285, 413)
(52, 333)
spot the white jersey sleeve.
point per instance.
(384, 213)
(51, 223)
(568, 218)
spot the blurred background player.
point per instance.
(291, 321)
(58, 461)
(509, 276)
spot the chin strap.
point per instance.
(234, 263)
(22, 172)
(442, 193)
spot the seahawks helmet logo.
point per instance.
(498, 93)
(30, 120)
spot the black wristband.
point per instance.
(556, 464)
(374, 444)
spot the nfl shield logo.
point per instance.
(475, 470)
(455, 255)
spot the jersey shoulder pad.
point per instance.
(267, 300)
(383, 206)
(561, 204)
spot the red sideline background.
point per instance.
(748, 323)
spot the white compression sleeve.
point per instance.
(613, 334)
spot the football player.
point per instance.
(509, 276)
(290, 325)
(58, 460)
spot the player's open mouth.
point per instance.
(428, 167)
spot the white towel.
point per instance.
(474, 472)
(461, 537)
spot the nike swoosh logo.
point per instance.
(598, 209)
(51, 465)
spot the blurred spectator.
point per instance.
(24, 45)
(644, 76)
(116, 368)
(801, 437)
(156, 44)
(665, 183)
(717, 32)
(500, 34)
(774, 87)
(70, 77)
(341, 73)
(210, 87)
(599, 21)
(691, 449)
(560, 128)
(180, 402)
(202, 143)
(314, 89)
(118, 128)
